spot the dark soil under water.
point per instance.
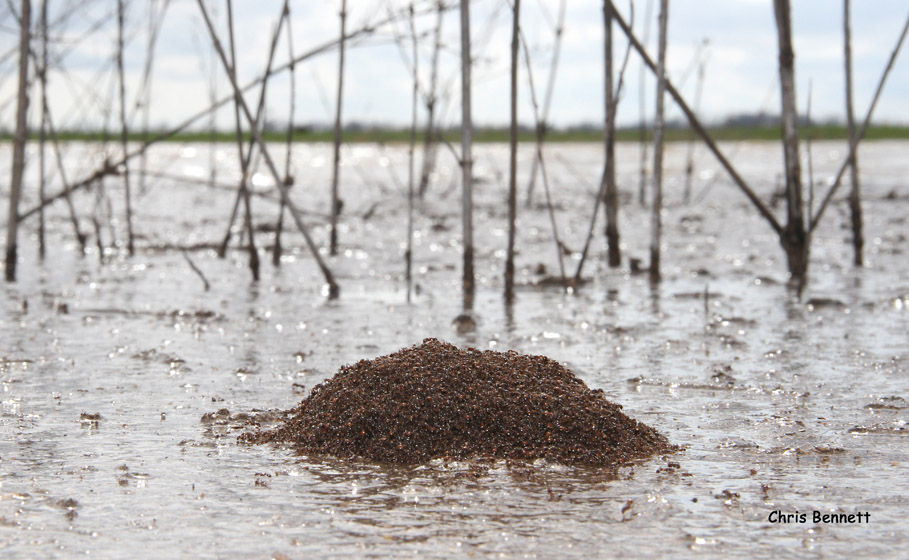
(438, 401)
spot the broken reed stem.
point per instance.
(408, 256)
(601, 194)
(656, 221)
(99, 242)
(48, 124)
(808, 138)
(547, 101)
(212, 130)
(333, 288)
(609, 145)
(794, 237)
(608, 191)
(430, 143)
(244, 161)
(614, 257)
(642, 127)
(853, 143)
(124, 133)
(42, 140)
(620, 83)
(698, 91)
(513, 153)
(110, 168)
(539, 154)
(246, 156)
(288, 178)
(196, 269)
(336, 161)
(466, 155)
(855, 194)
(19, 140)
(58, 156)
(699, 128)
(155, 21)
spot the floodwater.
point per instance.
(111, 369)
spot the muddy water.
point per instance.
(108, 368)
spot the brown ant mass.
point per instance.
(435, 400)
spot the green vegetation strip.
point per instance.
(491, 135)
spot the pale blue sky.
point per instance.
(740, 59)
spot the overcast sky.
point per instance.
(736, 39)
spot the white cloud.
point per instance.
(740, 68)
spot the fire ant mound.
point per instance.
(435, 400)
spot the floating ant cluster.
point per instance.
(435, 400)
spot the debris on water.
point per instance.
(721, 374)
(898, 428)
(728, 497)
(221, 416)
(464, 323)
(69, 507)
(90, 420)
(435, 400)
(825, 303)
(888, 403)
(153, 355)
(254, 417)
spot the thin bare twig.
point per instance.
(547, 100)
(513, 154)
(333, 288)
(124, 133)
(288, 179)
(855, 194)
(656, 204)
(466, 155)
(336, 161)
(15, 190)
(539, 154)
(244, 160)
(408, 256)
(699, 128)
(196, 269)
(608, 190)
(854, 142)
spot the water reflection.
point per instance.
(778, 406)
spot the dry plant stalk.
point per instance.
(698, 90)
(466, 152)
(408, 256)
(246, 156)
(430, 142)
(608, 192)
(611, 191)
(124, 132)
(853, 144)
(794, 237)
(542, 127)
(696, 125)
(513, 154)
(333, 288)
(19, 140)
(41, 69)
(642, 127)
(288, 178)
(335, 170)
(110, 167)
(855, 194)
(244, 161)
(656, 222)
